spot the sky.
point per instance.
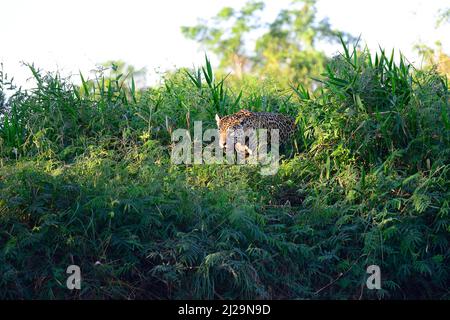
(73, 36)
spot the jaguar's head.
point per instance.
(230, 132)
(223, 130)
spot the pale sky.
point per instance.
(76, 35)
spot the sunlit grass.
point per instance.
(86, 178)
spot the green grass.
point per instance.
(86, 179)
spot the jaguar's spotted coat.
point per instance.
(244, 120)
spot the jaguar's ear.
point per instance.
(217, 120)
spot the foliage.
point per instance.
(443, 17)
(86, 179)
(284, 49)
(435, 57)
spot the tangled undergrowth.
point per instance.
(86, 179)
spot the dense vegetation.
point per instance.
(86, 179)
(284, 48)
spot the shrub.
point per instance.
(86, 179)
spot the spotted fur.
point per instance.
(245, 120)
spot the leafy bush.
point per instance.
(86, 179)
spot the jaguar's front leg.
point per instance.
(240, 147)
(243, 149)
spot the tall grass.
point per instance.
(86, 179)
